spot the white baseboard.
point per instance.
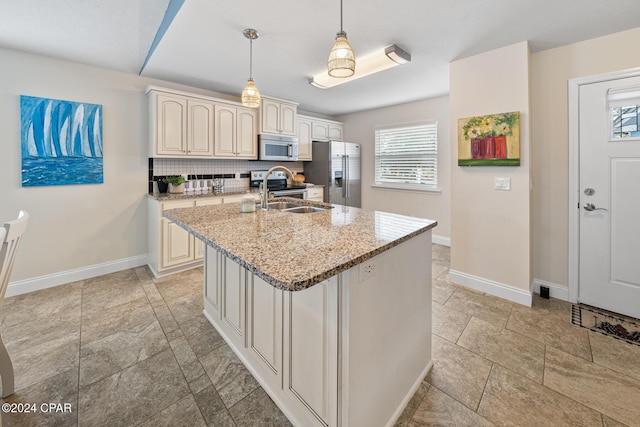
(492, 288)
(396, 415)
(50, 280)
(555, 290)
(441, 240)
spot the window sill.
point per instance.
(407, 188)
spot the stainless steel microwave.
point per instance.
(278, 147)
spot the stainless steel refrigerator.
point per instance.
(336, 165)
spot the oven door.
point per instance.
(294, 193)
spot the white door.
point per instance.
(609, 275)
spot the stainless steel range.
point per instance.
(277, 185)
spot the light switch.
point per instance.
(502, 183)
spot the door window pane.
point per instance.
(624, 121)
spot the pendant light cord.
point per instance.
(341, 16)
(251, 58)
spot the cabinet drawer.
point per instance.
(176, 204)
(207, 202)
(315, 194)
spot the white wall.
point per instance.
(76, 228)
(550, 72)
(359, 127)
(490, 235)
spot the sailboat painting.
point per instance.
(61, 142)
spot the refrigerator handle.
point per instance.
(347, 178)
(344, 178)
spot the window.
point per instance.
(624, 111)
(407, 157)
(625, 121)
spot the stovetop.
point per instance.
(276, 181)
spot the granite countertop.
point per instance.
(295, 251)
(170, 196)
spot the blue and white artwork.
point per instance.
(61, 142)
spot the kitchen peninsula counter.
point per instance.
(295, 251)
(329, 310)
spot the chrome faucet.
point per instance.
(264, 191)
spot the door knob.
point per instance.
(590, 207)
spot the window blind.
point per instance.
(407, 155)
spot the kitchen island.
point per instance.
(329, 310)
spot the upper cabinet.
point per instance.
(336, 131)
(326, 130)
(304, 137)
(200, 126)
(278, 116)
(310, 129)
(184, 125)
(235, 134)
(320, 130)
(180, 127)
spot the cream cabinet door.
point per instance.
(247, 134)
(177, 245)
(304, 139)
(200, 131)
(278, 117)
(336, 132)
(234, 280)
(288, 119)
(270, 120)
(264, 328)
(315, 194)
(225, 132)
(170, 125)
(212, 280)
(310, 351)
(320, 131)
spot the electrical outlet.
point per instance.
(502, 183)
(367, 270)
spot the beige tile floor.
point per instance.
(126, 349)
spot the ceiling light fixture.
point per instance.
(342, 60)
(374, 62)
(250, 94)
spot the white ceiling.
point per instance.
(204, 45)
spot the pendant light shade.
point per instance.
(250, 93)
(342, 60)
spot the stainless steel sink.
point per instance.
(305, 209)
(294, 207)
(283, 205)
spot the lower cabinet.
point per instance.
(311, 354)
(233, 285)
(177, 245)
(315, 194)
(264, 328)
(348, 351)
(288, 340)
(171, 248)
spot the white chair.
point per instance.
(9, 240)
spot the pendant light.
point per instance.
(250, 94)
(342, 60)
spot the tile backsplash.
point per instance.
(234, 172)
